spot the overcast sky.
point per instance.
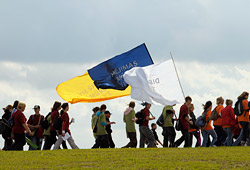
(43, 43)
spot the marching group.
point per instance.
(53, 129)
(230, 126)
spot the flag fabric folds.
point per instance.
(82, 89)
(109, 74)
(155, 84)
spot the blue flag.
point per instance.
(109, 74)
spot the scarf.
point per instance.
(127, 111)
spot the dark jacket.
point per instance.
(193, 119)
(108, 127)
(7, 131)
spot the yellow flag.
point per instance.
(82, 89)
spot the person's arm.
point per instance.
(150, 118)
(187, 119)
(110, 123)
(29, 122)
(147, 116)
(124, 118)
(27, 128)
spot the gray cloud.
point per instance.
(83, 31)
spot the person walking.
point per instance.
(49, 141)
(208, 129)
(244, 117)
(193, 129)
(100, 127)
(168, 126)
(157, 140)
(129, 119)
(221, 135)
(145, 132)
(46, 133)
(64, 132)
(109, 130)
(7, 131)
(184, 120)
(228, 121)
(93, 118)
(19, 128)
(34, 124)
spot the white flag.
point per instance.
(155, 84)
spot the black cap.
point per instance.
(36, 107)
(107, 112)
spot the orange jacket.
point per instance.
(218, 121)
(245, 116)
(208, 126)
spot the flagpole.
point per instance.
(177, 75)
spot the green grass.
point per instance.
(191, 158)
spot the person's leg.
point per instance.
(47, 144)
(196, 135)
(165, 137)
(72, 143)
(111, 142)
(190, 139)
(133, 139)
(7, 143)
(142, 137)
(97, 142)
(229, 136)
(172, 135)
(104, 141)
(33, 140)
(180, 140)
(51, 140)
(150, 136)
(130, 140)
(186, 136)
(205, 136)
(214, 135)
(218, 131)
(58, 142)
(64, 145)
(19, 141)
(238, 140)
(245, 132)
(39, 143)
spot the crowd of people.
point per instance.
(230, 126)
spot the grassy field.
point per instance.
(198, 158)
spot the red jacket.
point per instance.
(34, 120)
(19, 120)
(183, 114)
(65, 123)
(54, 114)
(228, 117)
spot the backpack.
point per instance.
(238, 108)
(214, 114)
(160, 121)
(11, 120)
(201, 120)
(57, 123)
(178, 126)
(139, 116)
(45, 123)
